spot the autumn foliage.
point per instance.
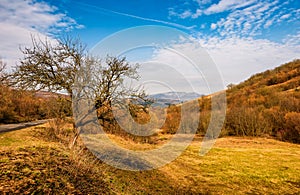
(21, 106)
(267, 104)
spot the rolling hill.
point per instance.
(281, 81)
(267, 104)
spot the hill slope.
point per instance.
(267, 103)
(283, 80)
(34, 163)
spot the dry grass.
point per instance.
(32, 163)
(239, 165)
(133, 145)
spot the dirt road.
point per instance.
(11, 127)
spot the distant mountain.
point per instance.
(165, 99)
(47, 94)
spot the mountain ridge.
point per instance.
(169, 98)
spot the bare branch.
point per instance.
(3, 75)
(49, 65)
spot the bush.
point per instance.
(292, 127)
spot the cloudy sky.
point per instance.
(242, 37)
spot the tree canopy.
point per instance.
(50, 65)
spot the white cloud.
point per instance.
(213, 26)
(285, 16)
(12, 37)
(236, 59)
(225, 5)
(183, 66)
(19, 19)
(235, 46)
(244, 18)
(203, 2)
(34, 15)
(185, 14)
(268, 23)
(197, 14)
(249, 21)
(292, 40)
(239, 58)
(255, 18)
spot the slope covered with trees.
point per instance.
(20, 105)
(267, 104)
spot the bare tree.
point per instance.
(111, 87)
(55, 66)
(48, 65)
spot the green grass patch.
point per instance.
(7, 141)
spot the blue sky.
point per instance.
(272, 20)
(242, 37)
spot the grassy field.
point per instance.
(32, 163)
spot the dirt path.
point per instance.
(12, 127)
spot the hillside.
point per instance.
(265, 105)
(17, 105)
(268, 103)
(282, 81)
(34, 161)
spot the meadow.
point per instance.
(33, 161)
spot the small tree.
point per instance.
(230, 86)
(54, 65)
